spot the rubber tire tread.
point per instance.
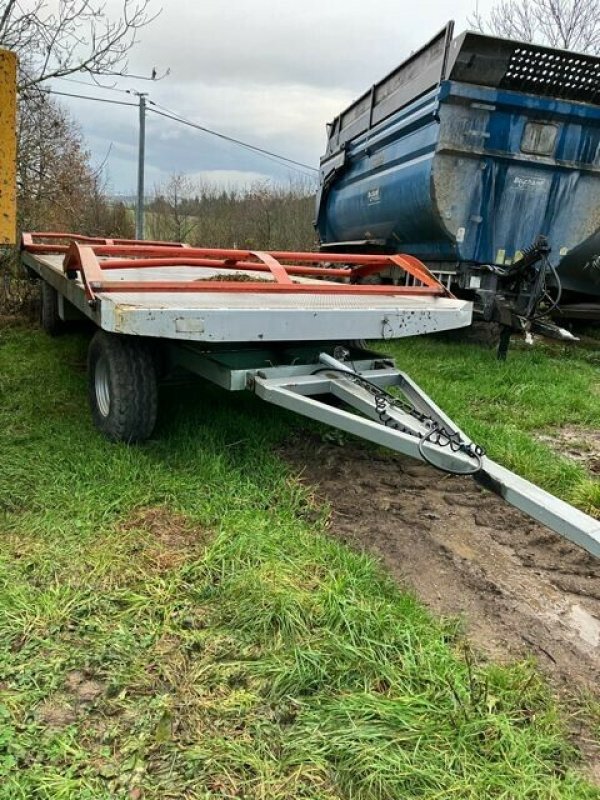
(50, 320)
(133, 387)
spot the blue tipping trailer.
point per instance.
(476, 154)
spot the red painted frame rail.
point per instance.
(92, 257)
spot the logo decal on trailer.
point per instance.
(529, 184)
(373, 196)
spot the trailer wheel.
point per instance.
(50, 320)
(123, 387)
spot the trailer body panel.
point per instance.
(211, 333)
(8, 147)
(472, 167)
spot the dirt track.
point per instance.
(520, 588)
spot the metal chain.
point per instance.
(437, 434)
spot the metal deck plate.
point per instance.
(255, 317)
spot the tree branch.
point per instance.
(56, 39)
(569, 24)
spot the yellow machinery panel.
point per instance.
(8, 147)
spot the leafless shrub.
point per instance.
(57, 187)
(262, 216)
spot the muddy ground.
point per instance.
(519, 588)
(580, 444)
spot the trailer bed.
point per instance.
(240, 316)
(220, 302)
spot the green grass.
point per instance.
(232, 649)
(503, 405)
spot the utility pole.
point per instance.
(139, 211)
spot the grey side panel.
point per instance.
(217, 317)
(524, 67)
(70, 290)
(284, 324)
(419, 73)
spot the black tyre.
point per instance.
(123, 387)
(51, 322)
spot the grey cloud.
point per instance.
(271, 73)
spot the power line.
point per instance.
(299, 166)
(171, 115)
(89, 97)
(93, 85)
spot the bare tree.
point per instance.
(170, 218)
(58, 188)
(260, 216)
(568, 24)
(55, 38)
(52, 171)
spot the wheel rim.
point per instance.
(102, 387)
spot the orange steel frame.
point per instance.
(92, 257)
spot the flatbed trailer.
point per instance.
(274, 324)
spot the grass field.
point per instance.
(175, 622)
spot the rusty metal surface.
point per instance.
(8, 147)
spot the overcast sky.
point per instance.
(272, 73)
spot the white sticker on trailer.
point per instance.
(189, 325)
(529, 184)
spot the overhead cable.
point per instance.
(182, 120)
